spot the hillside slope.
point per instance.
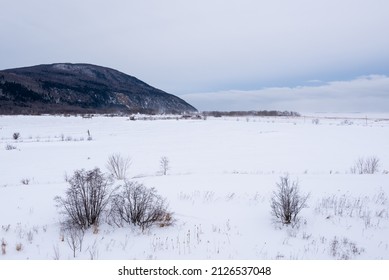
(81, 88)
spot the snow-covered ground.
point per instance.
(222, 174)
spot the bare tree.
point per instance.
(164, 164)
(118, 166)
(287, 202)
(135, 204)
(86, 198)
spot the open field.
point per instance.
(221, 177)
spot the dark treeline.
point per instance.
(264, 113)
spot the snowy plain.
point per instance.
(222, 175)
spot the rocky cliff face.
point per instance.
(81, 88)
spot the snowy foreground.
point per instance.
(222, 174)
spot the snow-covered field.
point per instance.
(222, 174)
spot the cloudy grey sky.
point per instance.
(322, 55)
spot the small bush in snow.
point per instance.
(369, 165)
(6, 227)
(16, 135)
(10, 147)
(287, 202)
(19, 247)
(346, 122)
(135, 204)
(86, 198)
(25, 181)
(3, 247)
(118, 166)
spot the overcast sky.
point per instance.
(322, 55)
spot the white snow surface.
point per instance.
(222, 175)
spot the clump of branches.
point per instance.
(369, 165)
(118, 166)
(140, 206)
(287, 201)
(86, 198)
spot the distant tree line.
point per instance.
(264, 113)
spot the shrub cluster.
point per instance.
(369, 165)
(91, 193)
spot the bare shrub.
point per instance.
(164, 164)
(3, 247)
(86, 198)
(118, 166)
(19, 247)
(16, 135)
(369, 165)
(372, 165)
(74, 238)
(287, 202)
(10, 147)
(6, 227)
(135, 204)
(25, 181)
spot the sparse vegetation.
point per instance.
(16, 135)
(287, 202)
(344, 249)
(369, 165)
(217, 195)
